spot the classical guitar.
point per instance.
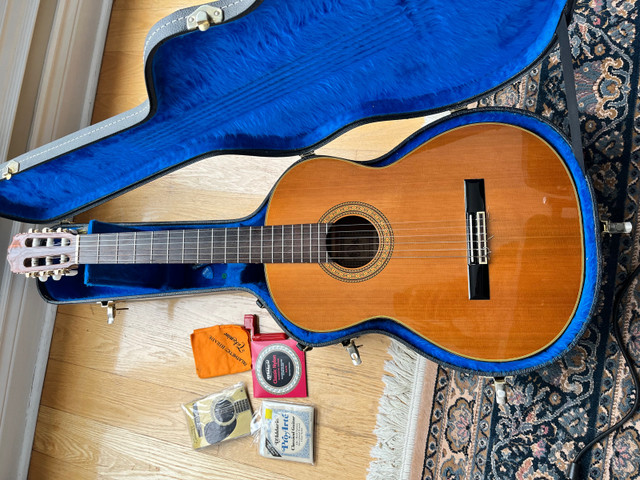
(474, 241)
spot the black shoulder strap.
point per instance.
(570, 90)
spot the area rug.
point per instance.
(435, 423)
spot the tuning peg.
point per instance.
(43, 276)
(71, 272)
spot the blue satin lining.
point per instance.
(286, 76)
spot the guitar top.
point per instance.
(473, 241)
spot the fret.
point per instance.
(140, 247)
(190, 246)
(282, 245)
(276, 244)
(225, 245)
(310, 243)
(249, 244)
(256, 245)
(167, 240)
(302, 243)
(261, 244)
(238, 246)
(203, 246)
(292, 244)
(175, 240)
(212, 246)
(272, 243)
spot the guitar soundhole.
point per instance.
(352, 241)
(223, 411)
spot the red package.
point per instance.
(279, 368)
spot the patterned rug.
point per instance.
(451, 427)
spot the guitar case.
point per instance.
(281, 78)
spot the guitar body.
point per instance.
(419, 278)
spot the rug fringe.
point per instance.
(395, 430)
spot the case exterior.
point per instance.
(277, 78)
(114, 282)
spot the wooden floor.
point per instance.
(112, 394)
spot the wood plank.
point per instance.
(154, 411)
(114, 452)
(154, 348)
(45, 467)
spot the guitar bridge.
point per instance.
(477, 240)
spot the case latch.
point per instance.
(501, 394)
(110, 305)
(10, 168)
(203, 17)
(612, 228)
(352, 350)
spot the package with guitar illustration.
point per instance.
(219, 417)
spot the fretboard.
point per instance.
(304, 243)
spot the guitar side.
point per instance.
(417, 205)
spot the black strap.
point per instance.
(570, 90)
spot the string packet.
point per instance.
(219, 417)
(285, 431)
(221, 350)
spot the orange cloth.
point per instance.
(221, 350)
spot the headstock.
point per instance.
(44, 254)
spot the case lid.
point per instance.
(278, 79)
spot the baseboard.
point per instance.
(64, 104)
(24, 349)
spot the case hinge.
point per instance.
(204, 17)
(8, 169)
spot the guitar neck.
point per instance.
(302, 243)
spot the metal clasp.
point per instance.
(10, 168)
(204, 16)
(352, 350)
(501, 393)
(110, 305)
(612, 228)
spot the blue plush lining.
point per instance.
(288, 75)
(109, 282)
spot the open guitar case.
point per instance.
(280, 78)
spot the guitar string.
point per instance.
(193, 244)
(244, 238)
(111, 240)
